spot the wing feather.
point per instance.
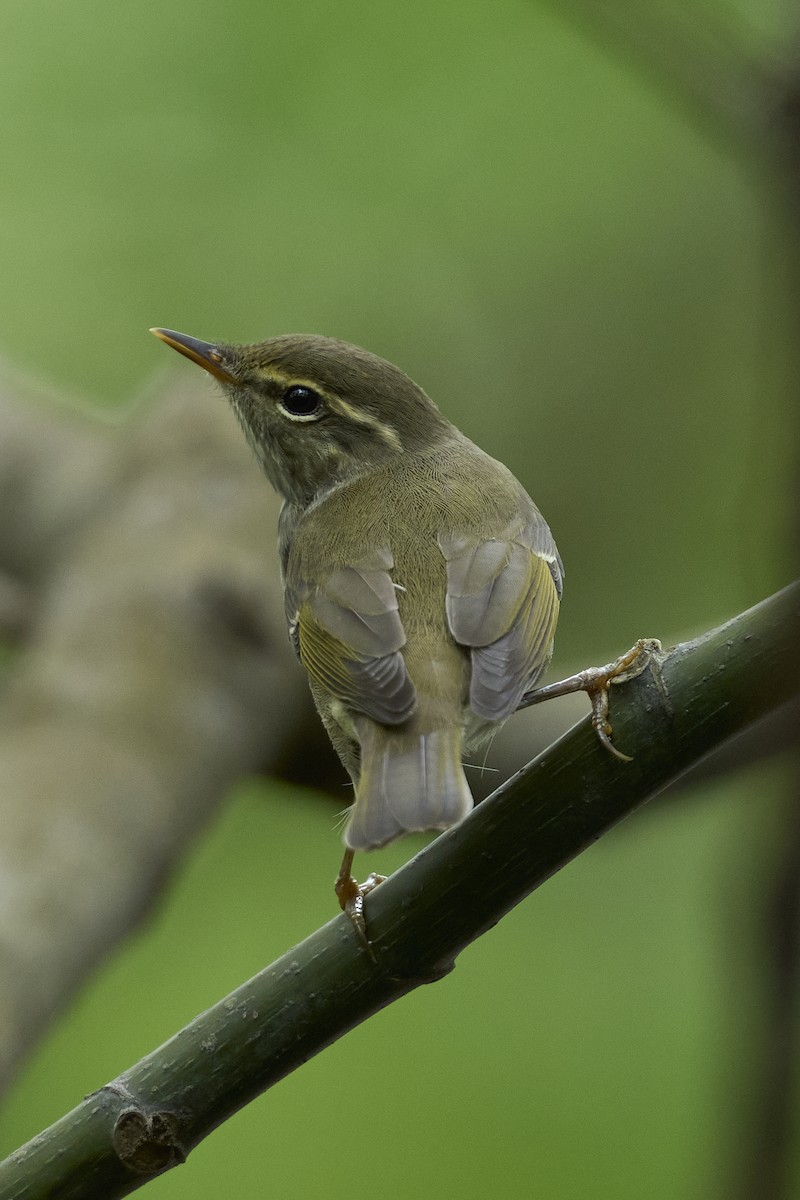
(502, 601)
(348, 634)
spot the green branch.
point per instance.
(420, 919)
(730, 86)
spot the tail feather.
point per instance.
(409, 782)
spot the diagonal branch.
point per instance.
(728, 86)
(151, 1116)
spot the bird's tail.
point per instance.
(409, 782)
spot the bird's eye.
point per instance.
(302, 403)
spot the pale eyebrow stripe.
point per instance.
(361, 417)
(384, 431)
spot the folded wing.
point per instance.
(348, 634)
(503, 597)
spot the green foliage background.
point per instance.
(484, 195)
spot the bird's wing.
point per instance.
(348, 634)
(503, 597)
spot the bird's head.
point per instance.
(316, 411)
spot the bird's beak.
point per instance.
(205, 354)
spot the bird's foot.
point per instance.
(596, 681)
(351, 896)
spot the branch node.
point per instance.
(416, 978)
(147, 1143)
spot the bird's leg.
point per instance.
(596, 681)
(351, 896)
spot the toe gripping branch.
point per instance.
(351, 896)
(596, 682)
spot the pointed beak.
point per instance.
(205, 354)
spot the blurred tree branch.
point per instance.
(154, 674)
(703, 61)
(148, 1119)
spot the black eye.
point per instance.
(299, 401)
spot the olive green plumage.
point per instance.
(422, 584)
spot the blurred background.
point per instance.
(591, 278)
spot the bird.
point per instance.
(422, 585)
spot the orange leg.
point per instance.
(596, 681)
(351, 896)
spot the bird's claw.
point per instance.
(596, 681)
(351, 896)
